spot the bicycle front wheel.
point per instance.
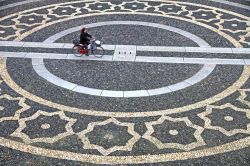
(98, 52)
(76, 50)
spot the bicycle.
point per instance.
(95, 48)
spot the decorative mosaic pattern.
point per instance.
(23, 124)
(210, 16)
(114, 139)
(188, 124)
(229, 113)
(90, 129)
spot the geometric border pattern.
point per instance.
(17, 33)
(128, 147)
(218, 15)
(186, 147)
(18, 112)
(220, 25)
(51, 11)
(22, 125)
(233, 88)
(18, 22)
(155, 10)
(184, 155)
(209, 110)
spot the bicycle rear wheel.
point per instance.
(98, 52)
(76, 50)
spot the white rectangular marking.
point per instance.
(13, 54)
(107, 93)
(124, 53)
(138, 93)
(46, 55)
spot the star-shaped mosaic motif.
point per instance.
(205, 15)
(107, 127)
(64, 11)
(134, 6)
(174, 130)
(31, 19)
(171, 9)
(234, 25)
(227, 118)
(12, 114)
(99, 6)
(40, 123)
(7, 32)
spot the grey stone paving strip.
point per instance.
(41, 70)
(44, 73)
(13, 54)
(46, 55)
(218, 50)
(186, 60)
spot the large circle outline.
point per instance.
(210, 100)
(239, 144)
(236, 145)
(205, 70)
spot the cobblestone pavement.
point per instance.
(173, 87)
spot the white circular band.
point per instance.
(200, 75)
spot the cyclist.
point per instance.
(85, 38)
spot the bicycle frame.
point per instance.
(94, 48)
(86, 51)
(83, 51)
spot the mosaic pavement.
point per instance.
(173, 87)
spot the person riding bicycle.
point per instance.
(85, 38)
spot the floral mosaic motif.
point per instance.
(234, 25)
(22, 107)
(204, 15)
(31, 19)
(64, 11)
(134, 6)
(134, 136)
(99, 6)
(244, 96)
(170, 9)
(23, 124)
(230, 118)
(174, 133)
(7, 32)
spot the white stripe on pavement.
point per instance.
(42, 71)
(217, 50)
(187, 60)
